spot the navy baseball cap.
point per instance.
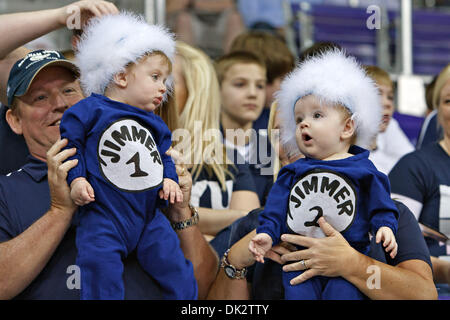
(24, 70)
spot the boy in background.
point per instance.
(242, 80)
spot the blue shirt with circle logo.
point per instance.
(372, 207)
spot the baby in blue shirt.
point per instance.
(124, 175)
(328, 109)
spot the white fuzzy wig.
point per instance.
(336, 79)
(111, 42)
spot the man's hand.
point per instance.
(57, 175)
(331, 256)
(87, 10)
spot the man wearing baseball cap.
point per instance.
(26, 69)
(21, 78)
(41, 86)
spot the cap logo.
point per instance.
(321, 193)
(39, 56)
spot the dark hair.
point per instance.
(226, 61)
(429, 93)
(318, 48)
(278, 58)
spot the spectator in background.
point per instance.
(279, 61)
(421, 179)
(391, 143)
(430, 131)
(264, 15)
(242, 80)
(210, 25)
(222, 191)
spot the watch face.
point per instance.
(230, 271)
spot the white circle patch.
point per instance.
(129, 157)
(321, 193)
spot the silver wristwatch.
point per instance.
(192, 221)
(231, 271)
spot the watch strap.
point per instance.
(236, 273)
(192, 221)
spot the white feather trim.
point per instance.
(110, 42)
(334, 78)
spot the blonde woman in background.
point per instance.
(421, 180)
(223, 192)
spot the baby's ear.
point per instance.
(120, 79)
(349, 129)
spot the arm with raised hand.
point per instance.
(22, 27)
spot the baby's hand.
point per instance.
(386, 235)
(259, 245)
(81, 191)
(171, 191)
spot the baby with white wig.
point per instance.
(124, 175)
(329, 112)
